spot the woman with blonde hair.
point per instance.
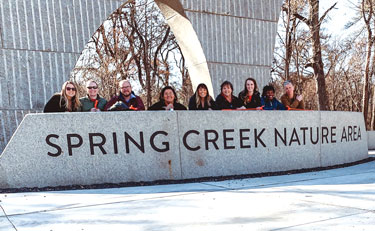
(201, 100)
(65, 101)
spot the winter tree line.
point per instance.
(134, 43)
(335, 74)
(332, 73)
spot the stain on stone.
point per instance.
(200, 162)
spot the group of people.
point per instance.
(68, 99)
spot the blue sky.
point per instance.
(339, 16)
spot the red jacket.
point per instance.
(135, 102)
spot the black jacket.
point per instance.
(159, 106)
(222, 103)
(53, 105)
(255, 99)
(193, 104)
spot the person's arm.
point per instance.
(140, 105)
(157, 106)
(301, 105)
(219, 102)
(285, 101)
(192, 103)
(257, 101)
(295, 103)
(213, 105)
(178, 106)
(53, 104)
(110, 103)
(102, 103)
(280, 106)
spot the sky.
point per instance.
(338, 16)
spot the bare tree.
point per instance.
(134, 43)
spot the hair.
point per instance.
(245, 91)
(123, 81)
(166, 88)
(72, 104)
(226, 83)
(91, 81)
(267, 88)
(286, 82)
(206, 100)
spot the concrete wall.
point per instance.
(112, 147)
(238, 37)
(40, 42)
(371, 140)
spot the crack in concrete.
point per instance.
(315, 222)
(8, 218)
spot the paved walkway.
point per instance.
(340, 199)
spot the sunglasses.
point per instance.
(70, 89)
(92, 88)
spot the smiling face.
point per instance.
(269, 95)
(289, 90)
(250, 86)
(202, 92)
(126, 88)
(168, 96)
(70, 90)
(92, 89)
(227, 90)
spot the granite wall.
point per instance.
(95, 148)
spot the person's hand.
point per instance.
(259, 108)
(299, 97)
(94, 109)
(169, 107)
(243, 107)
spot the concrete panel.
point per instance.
(371, 140)
(343, 137)
(237, 75)
(93, 148)
(282, 144)
(33, 160)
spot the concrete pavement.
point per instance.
(339, 199)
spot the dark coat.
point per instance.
(134, 102)
(222, 103)
(53, 104)
(255, 99)
(159, 106)
(87, 104)
(193, 104)
(272, 105)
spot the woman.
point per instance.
(65, 101)
(226, 100)
(250, 96)
(168, 101)
(201, 100)
(92, 101)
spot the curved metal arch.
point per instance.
(187, 38)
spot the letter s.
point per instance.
(59, 151)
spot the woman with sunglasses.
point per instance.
(65, 101)
(92, 101)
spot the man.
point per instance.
(290, 99)
(92, 101)
(125, 100)
(268, 100)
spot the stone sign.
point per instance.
(112, 147)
